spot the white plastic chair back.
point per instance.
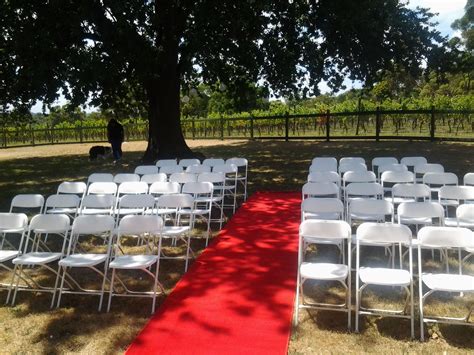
(151, 178)
(380, 161)
(132, 187)
(171, 169)
(100, 177)
(325, 176)
(358, 176)
(136, 201)
(422, 169)
(215, 178)
(102, 188)
(459, 193)
(197, 169)
(100, 204)
(61, 201)
(397, 177)
(188, 162)
(325, 165)
(320, 189)
(213, 162)
(125, 177)
(27, 201)
(354, 166)
(411, 162)
(166, 162)
(440, 179)
(468, 179)
(183, 178)
(445, 237)
(322, 208)
(419, 210)
(225, 168)
(175, 201)
(376, 233)
(139, 224)
(465, 214)
(50, 223)
(368, 209)
(325, 160)
(350, 160)
(313, 230)
(92, 225)
(164, 187)
(364, 189)
(238, 162)
(391, 167)
(13, 222)
(414, 191)
(146, 169)
(198, 188)
(72, 187)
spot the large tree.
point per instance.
(101, 50)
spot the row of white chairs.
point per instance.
(381, 235)
(99, 230)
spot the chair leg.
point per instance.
(187, 254)
(111, 290)
(61, 287)
(103, 286)
(17, 284)
(11, 285)
(55, 288)
(154, 287)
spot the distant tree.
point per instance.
(466, 25)
(101, 50)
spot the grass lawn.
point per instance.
(274, 165)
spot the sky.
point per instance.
(447, 10)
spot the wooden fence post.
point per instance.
(222, 128)
(433, 124)
(5, 137)
(287, 125)
(377, 124)
(328, 126)
(32, 132)
(251, 127)
(52, 135)
(81, 135)
(193, 126)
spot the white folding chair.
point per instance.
(410, 193)
(390, 167)
(187, 162)
(365, 190)
(218, 182)
(322, 208)
(102, 188)
(182, 178)
(468, 179)
(147, 228)
(390, 178)
(369, 210)
(453, 196)
(134, 205)
(62, 204)
(242, 173)
(350, 160)
(98, 205)
(164, 188)
(313, 232)
(325, 176)
(171, 169)
(464, 217)
(411, 162)
(100, 177)
(202, 194)
(377, 234)
(437, 180)
(230, 186)
(420, 213)
(83, 227)
(320, 189)
(37, 253)
(325, 160)
(31, 203)
(126, 177)
(443, 238)
(183, 205)
(165, 162)
(212, 162)
(357, 176)
(198, 168)
(380, 161)
(151, 178)
(146, 169)
(132, 188)
(323, 166)
(421, 169)
(72, 187)
(354, 166)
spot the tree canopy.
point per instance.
(116, 52)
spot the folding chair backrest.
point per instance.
(198, 168)
(440, 179)
(124, 177)
(351, 166)
(139, 224)
(105, 202)
(323, 206)
(468, 179)
(151, 178)
(325, 176)
(225, 168)
(464, 193)
(358, 176)
(188, 162)
(324, 165)
(351, 160)
(365, 189)
(50, 223)
(325, 230)
(445, 237)
(380, 161)
(370, 232)
(428, 168)
(325, 160)
(107, 188)
(411, 162)
(391, 167)
(465, 213)
(198, 188)
(72, 187)
(13, 221)
(93, 225)
(397, 177)
(238, 162)
(62, 201)
(421, 210)
(164, 187)
(368, 208)
(146, 169)
(166, 162)
(170, 169)
(320, 189)
(132, 187)
(136, 201)
(100, 177)
(213, 162)
(182, 178)
(415, 191)
(175, 201)
(27, 201)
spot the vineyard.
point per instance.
(377, 124)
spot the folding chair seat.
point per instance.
(464, 217)
(378, 234)
(146, 169)
(410, 193)
(86, 230)
(188, 162)
(242, 172)
(325, 176)
(13, 226)
(420, 213)
(324, 164)
(147, 228)
(322, 208)
(212, 162)
(171, 169)
(421, 169)
(320, 189)
(390, 167)
(126, 177)
(40, 253)
(314, 232)
(345, 167)
(437, 180)
(202, 194)
(454, 196)
(31, 203)
(380, 161)
(100, 177)
(102, 188)
(182, 178)
(166, 162)
(151, 178)
(98, 205)
(72, 187)
(198, 168)
(446, 238)
(182, 221)
(218, 182)
(63, 204)
(390, 178)
(350, 160)
(230, 185)
(411, 162)
(468, 179)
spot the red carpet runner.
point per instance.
(237, 298)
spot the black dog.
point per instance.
(99, 151)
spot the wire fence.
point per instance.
(455, 125)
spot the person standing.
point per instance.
(115, 136)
